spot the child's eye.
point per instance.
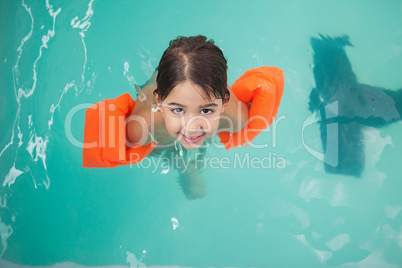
(178, 110)
(206, 111)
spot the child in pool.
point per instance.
(192, 97)
(190, 89)
(187, 100)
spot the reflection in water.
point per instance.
(187, 163)
(359, 105)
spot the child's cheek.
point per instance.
(214, 123)
(173, 125)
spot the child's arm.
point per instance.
(263, 87)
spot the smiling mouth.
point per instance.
(192, 139)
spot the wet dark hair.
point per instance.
(196, 59)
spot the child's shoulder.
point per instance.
(235, 114)
(143, 120)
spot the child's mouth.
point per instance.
(192, 139)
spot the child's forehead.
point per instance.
(189, 92)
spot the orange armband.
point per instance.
(262, 86)
(105, 135)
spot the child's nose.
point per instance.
(196, 124)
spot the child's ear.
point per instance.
(157, 99)
(225, 102)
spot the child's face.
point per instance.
(189, 116)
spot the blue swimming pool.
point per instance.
(325, 192)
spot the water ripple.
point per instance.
(83, 24)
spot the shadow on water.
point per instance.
(358, 105)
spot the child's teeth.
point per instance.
(190, 137)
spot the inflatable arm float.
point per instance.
(262, 86)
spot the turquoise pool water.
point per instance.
(296, 206)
